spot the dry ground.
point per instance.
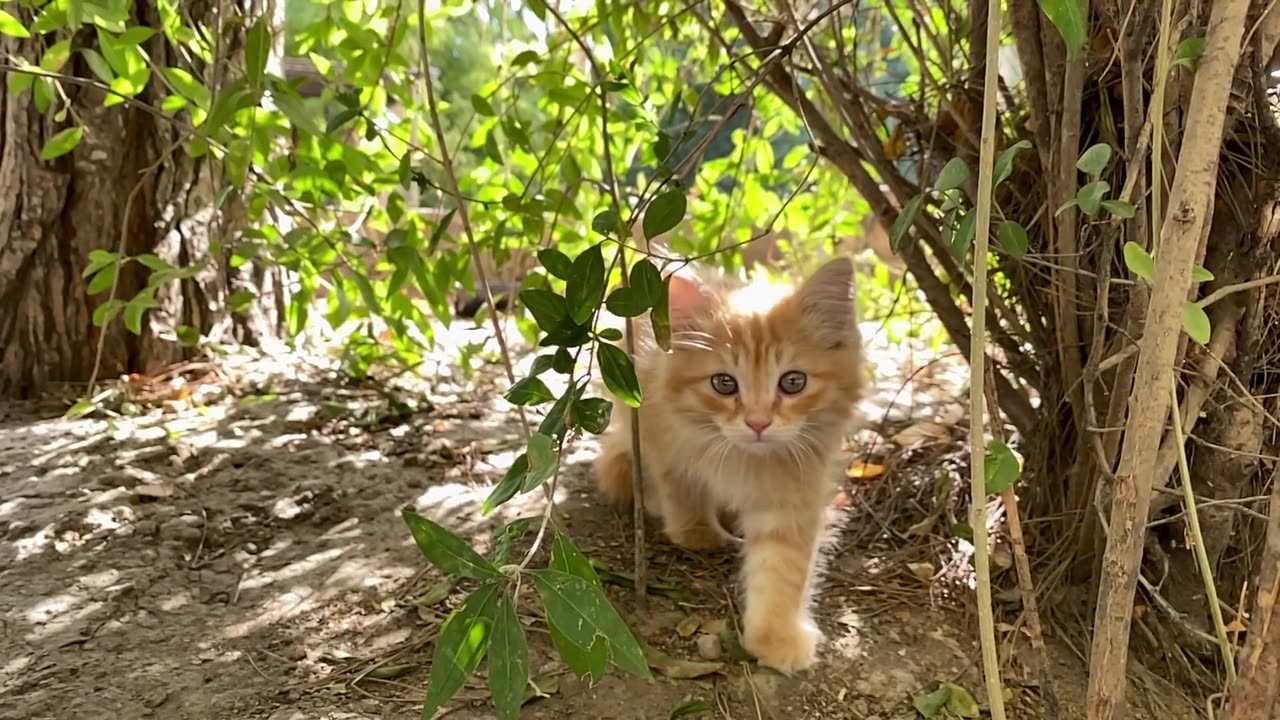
(236, 552)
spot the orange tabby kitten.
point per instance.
(742, 417)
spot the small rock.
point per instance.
(709, 647)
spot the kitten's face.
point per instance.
(766, 370)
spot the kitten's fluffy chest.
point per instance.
(740, 480)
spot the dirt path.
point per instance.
(244, 558)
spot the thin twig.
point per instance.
(637, 477)
(1222, 292)
(1022, 564)
(1202, 555)
(977, 374)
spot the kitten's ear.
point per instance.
(686, 300)
(826, 301)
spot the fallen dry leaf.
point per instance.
(163, 489)
(859, 470)
(678, 669)
(842, 499)
(922, 570)
(688, 626)
(922, 433)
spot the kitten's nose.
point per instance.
(758, 424)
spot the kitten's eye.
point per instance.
(724, 384)
(792, 382)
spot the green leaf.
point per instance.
(566, 558)
(1004, 163)
(1196, 323)
(155, 263)
(461, 645)
(689, 708)
(136, 308)
(98, 259)
(18, 83)
(1094, 160)
(295, 108)
(547, 307)
(137, 35)
(556, 263)
(510, 484)
(904, 222)
(608, 223)
(1139, 261)
(482, 106)
(80, 409)
(1090, 196)
(508, 660)
(1070, 17)
(188, 335)
(97, 64)
(963, 239)
(56, 56)
(107, 311)
(962, 530)
(257, 48)
(960, 702)
(1189, 52)
(1200, 274)
(664, 213)
(586, 285)
(447, 551)
(544, 458)
(593, 661)
(661, 316)
(529, 391)
(9, 25)
(525, 57)
(1119, 208)
(954, 174)
(930, 705)
(592, 414)
(1013, 238)
(241, 300)
(647, 282)
(626, 302)
(582, 613)
(619, 374)
(103, 281)
(562, 362)
(1001, 467)
(340, 118)
(553, 425)
(541, 364)
(610, 334)
(61, 143)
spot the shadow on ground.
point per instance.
(246, 560)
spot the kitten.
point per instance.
(743, 417)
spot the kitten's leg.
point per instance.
(781, 548)
(689, 515)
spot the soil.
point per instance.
(230, 546)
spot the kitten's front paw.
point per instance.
(701, 537)
(787, 647)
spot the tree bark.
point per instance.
(1254, 696)
(53, 214)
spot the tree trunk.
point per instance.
(130, 187)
